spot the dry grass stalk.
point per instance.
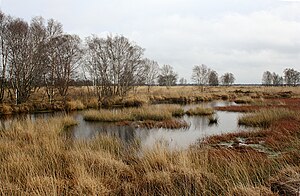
(199, 111)
(264, 118)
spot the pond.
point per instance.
(175, 138)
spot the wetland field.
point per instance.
(183, 140)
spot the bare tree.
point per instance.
(182, 81)
(213, 79)
(167, 76)
(200, 74)
(54, 29)
(24, 45)
(267, 78)
(65, 53)
(291, 76)
(277, 79)
(227, 79)
(151, 72)
(115, 65)
(3, 55)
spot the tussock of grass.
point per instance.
(75, 105)
(199, 111)
(287, 181)
(6, 109)
(107, 115)
(243, 100)
(175, 110)
(149, 113)
(68, 121)
(135, 101)
(134, 114)
(213, 119)
(265, 117)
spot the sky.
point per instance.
(244, 37)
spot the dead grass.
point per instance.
(199, 111)
(75, 105)
(167, 124)
(264, 118)
(140, 97)
(104, 115)
(244, 100)
(6, 109)
(36, 159)
(155, 113)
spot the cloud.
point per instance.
(229, 36)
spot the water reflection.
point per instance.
(179, 138)
(87, 130)
(200, 128)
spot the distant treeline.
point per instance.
(40, 54)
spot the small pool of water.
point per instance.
(178, 138)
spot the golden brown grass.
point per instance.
(167, 124)
(265, 117)
(199, 111)
(75, 105)
(156, 113)
(36, 159)
(243, 100)
(140, 96)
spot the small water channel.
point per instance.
(178, 138)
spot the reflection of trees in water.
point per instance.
(7, 120)
(197, 123)
(91, 129)
(126, 133)
(142, 134)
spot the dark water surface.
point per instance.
(178, 138)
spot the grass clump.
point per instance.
(265, 117)
(199, 111)
(107, 115)
(175, 110)
(134, 101)
(244, 100)
(6, 109)
(68, 121)
(75, 105)
(134, 114)
(213, 119)
(141, 115)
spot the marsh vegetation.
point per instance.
(39, 158)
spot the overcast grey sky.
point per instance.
(245, 37)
